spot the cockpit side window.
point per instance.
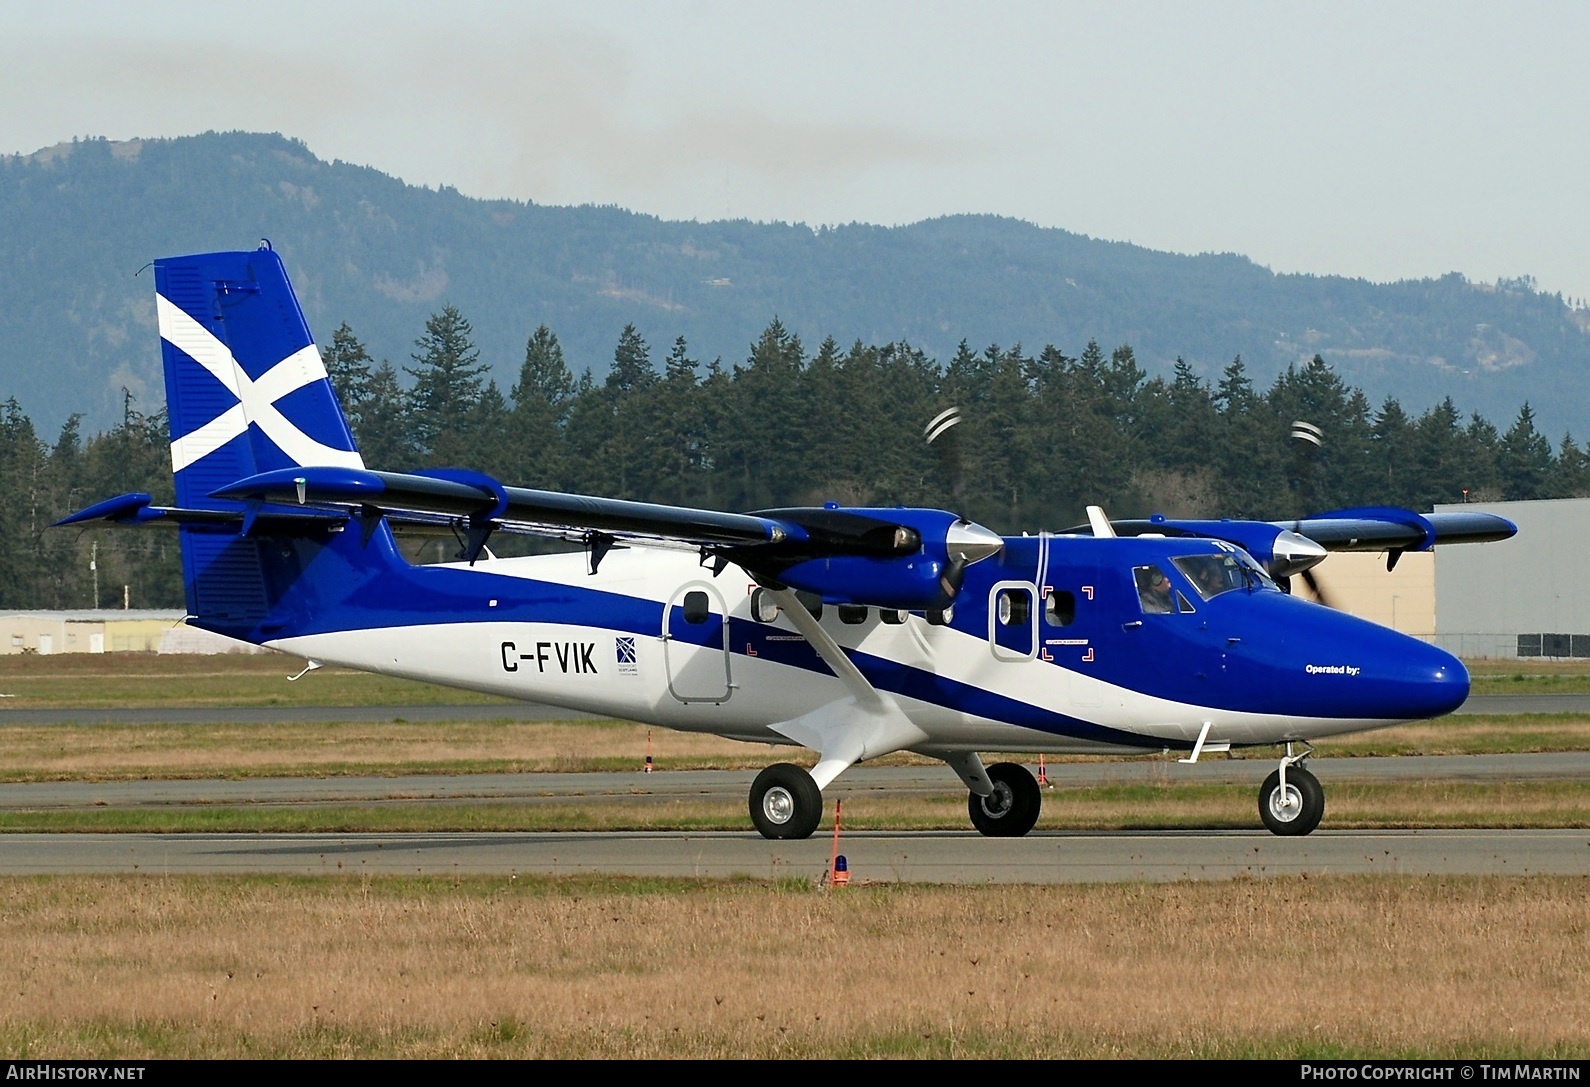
(1212, 575)
(1154, 591)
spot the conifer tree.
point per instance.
(1525, 458)
(534, 430)
(447, 387)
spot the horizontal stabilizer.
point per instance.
(138, 509)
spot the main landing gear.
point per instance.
(1291, 800)
(1011, 810)
(785, 802)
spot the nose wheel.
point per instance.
(785, 802)
(1011, 810)
(1295, 807)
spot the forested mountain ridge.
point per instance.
(76, 325)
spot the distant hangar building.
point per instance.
(1524, 597)
(47, 633)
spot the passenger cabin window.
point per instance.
(697, 607)
(1060, 608)
(811, 602)
(1154, 591)
(1014, 608)
(764, 609)
(852, 614)
(892, 616)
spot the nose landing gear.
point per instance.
(1291, 800)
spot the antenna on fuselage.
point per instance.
(1100, 523)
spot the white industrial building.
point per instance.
(107, 631)
(1524, 597)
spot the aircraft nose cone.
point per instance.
(1412, 680)
(1439, 680)
(1356, 669)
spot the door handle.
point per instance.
(1133, 625)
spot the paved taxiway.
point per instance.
(940, 857)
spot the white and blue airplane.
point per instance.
(854, 632)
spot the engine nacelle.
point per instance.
(919, 555)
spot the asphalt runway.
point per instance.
(938, 857)
(529, 711)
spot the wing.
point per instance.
(894, 558)
(1292, 547)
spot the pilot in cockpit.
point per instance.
(1154, 591)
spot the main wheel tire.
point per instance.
(1298, 809)
(785, 802)
(1013, 808)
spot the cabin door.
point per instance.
(695, 636)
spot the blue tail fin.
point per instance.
(246, 392)
(245, 387)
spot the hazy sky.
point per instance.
(1378, 140)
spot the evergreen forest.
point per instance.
(1043, 434)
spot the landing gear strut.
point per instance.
(785, 802)
(1291, 800)
(1012, 809)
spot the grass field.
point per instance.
(109, 680)
(273, 967)
(175, 751)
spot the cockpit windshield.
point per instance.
(1212, 575)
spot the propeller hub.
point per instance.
(969, 542)
(1293, 553)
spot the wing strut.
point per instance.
(865, 725)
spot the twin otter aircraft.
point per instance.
(852, 632)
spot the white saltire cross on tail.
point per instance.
(256, 399)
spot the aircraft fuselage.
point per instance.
(1051, 648)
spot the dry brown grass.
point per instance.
(132, 967)
(109, 680)
(112, 752)
(1527, 666)
(119, 752)
(1469, 734)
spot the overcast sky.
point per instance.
(1378, 140)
